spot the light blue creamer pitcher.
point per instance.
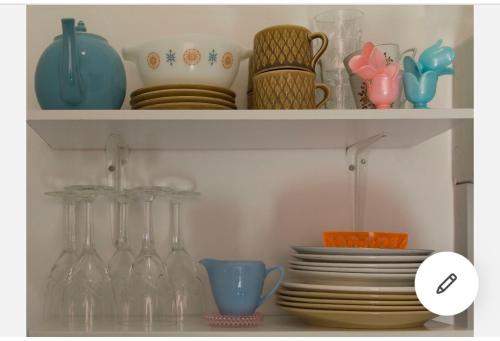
(237, 285)
(79, 70)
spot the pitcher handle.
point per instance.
(413, 51)
(282, 275)
(322, 48)
(326, 93)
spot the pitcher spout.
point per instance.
(209, 264)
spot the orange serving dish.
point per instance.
(386, 240)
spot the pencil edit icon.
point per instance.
(446, 283)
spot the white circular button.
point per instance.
(446, 283)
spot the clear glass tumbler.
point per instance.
(344, 30)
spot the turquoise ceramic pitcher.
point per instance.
(237, 285)
(79, 70)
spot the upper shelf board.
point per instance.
(241, 129)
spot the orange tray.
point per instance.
(386, 240)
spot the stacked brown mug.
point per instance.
(281, 71)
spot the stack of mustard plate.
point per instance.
(350, 306)
(356, 266)
(183, 96)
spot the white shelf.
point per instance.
(272, 326)
(241, 129)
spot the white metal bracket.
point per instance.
(117, 154)
(356, 158)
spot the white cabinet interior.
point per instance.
(256, 203)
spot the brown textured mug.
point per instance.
(286, 47)
(287, 89)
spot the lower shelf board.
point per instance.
(273, 325)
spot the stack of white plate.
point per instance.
(356, 266)
(354, 287)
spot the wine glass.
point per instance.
(59, 272)
(182, 269)
(88, 297)
(150, 291)
(120, 263)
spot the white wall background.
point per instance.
(255, 204)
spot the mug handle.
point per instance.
(413, 51)
(322, 48)
(282, 275)
(326, 92)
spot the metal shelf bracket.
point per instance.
(355, 154)
(117, 155)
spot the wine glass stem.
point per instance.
(175, 226)
(70, 223)
(148, 237)
(89, 226)
(123, 231)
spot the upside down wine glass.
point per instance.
(189, 299)
(59, 272)
(150, 291)
(123, 257)
(88, 297)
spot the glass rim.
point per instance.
(66, 195)
(361, 49)
(356, 14)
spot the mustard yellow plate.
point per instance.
(183, 86)
(362, 319)
(177, 99)
(181, 92)
(350, 307)
(185, 106)
(348, 301)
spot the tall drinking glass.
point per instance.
(58, 276)
(344, 30)
(121, 262)
(88, 297)
(150, 291)
(181, 267)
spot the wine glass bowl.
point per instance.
(120, 263)
(150, 291)
(189, 298)
(88, 297)
(187, 284)
(58, 276)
